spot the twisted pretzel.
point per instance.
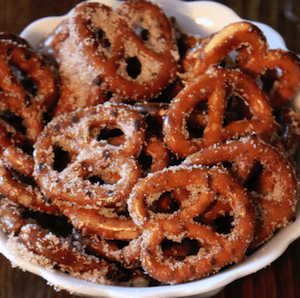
(109, 225)
(16, 168)
(118, 45)
(51, 247)
(214, 250)
(11, 220)
(78, 82)
(14, 98)
(216, 86)
(253, 57)
(128, 255)
(276, 194)
(77, 135)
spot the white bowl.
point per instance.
(202, 18)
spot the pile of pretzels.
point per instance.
(133, 153)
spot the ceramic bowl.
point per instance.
(202, 18)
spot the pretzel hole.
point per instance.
(236, 110)
(26, 147)
(56, 224)
(253, 180)
(112, 135)
(236, 57)
(13, 120)
(179, 250)
(164, 204)
(22, 178)
(119, 243)
(61, 159)
(96, 180)
(119, 274)
(202, 106)
(195, 130)
(223, 224)
(103, 177)
(25, 81)
(101, 38)
(143, 33)
(266, 183)
(231, 60)
(198, 119)
(154, 125)
(17, 123)
(227, 164)
(145, 161)
(134, 67)
(268, 79)
(218, 216)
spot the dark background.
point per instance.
(279, 280)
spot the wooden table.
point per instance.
(279, 280)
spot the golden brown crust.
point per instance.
(143, 176)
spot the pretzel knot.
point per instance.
(93, 171)
(217, 86)
(248, 50)
(214, 249)
(275, 194)
(133, 48)
(28, 86)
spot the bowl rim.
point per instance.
(217, 15)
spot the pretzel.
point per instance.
(89, 158)
(14, 98)
(75, 183)
(11, 220)
(285, 84)
(215, 85)
(118, 46)
(108, 225)
(128, 255)
(288, 133)
(253, 58)
(11, 37)
(51, 247)
(215, 250)
(16, 169)
(78, 82)
(276, 194)
(165, 158)
(244, 37)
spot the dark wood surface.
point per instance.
(279, 280)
